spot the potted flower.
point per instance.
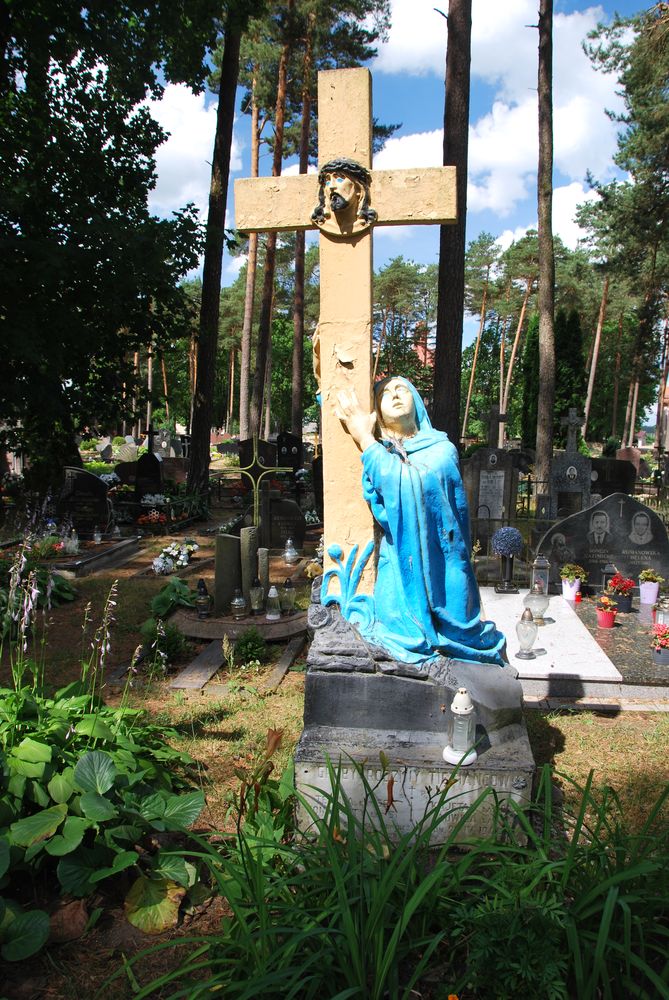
(649, 585)
(660, 645)
(606, 612)
(621, 587)
(572, 576)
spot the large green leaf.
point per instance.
(181, 811)
(32, 829)
(69, 839)
(123, 832)
(25, 935)
(61, 786)
(76, 870)
(4, 855)
(153, 904)
(95, 772)
(38, 794)
(173, 868)
(122, 861)
(92, 725)
(97, 807)
(27, 768)
(33, 751)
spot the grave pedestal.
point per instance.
(357, 706)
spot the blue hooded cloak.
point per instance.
(426, 598)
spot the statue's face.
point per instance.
(340, 191)
(396, 406)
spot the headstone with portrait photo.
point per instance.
(490, 478)
(618, 531)
(570, 482)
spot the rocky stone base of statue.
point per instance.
(360, 705)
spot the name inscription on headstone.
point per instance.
(491, 492)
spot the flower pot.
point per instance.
(648, 592)
(570, 590)
(606, 619)
(623, 601)
(661, 656)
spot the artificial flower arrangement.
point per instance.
(154, 500)
(650, 575)
(619, 584)
(153, 517)
(174, 556)
(660, 637)
(573, 572)
(507, 542)
(605, 603)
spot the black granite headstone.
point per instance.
(617, 531)
(609, 475)
(570, 481)
(266, 457)
(83, 499)
(149, 478)
(127, 473)
(490, 478)
(317, 479)
(286, 520)
(289, 450)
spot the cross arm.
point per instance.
(400, 197)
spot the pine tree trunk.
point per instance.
(164, 371)
(595, 355)
(635, 399)
(203, 400)
(265, 322)
(546, 295)
(663, 385)
(251, 266)
(475, 359)
(628, 410)
(509, 375)
(297, 397)
(616, 379)
(450, 304)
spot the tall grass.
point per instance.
(549, 906)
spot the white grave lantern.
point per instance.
(462, 730)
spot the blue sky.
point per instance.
(408, 88)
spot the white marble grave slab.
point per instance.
(570, 650)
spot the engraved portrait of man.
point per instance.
(599, 533)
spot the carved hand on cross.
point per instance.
(356, 419)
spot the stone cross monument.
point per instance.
(308, 201)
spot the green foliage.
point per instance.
(251, 646)
(570, 379)
(172, 595)
(530, 370)
(83, 787)
(549, 905)
(166, 641)
(97, 467)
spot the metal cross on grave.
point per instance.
(381, 198)
(573, 423)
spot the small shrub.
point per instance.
(165, 640)
(251, 646)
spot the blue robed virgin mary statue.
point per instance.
(426, 600)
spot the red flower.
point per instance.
(618, 584)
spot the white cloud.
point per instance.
(565, 201)
(184, 160)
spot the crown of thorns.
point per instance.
(346, 166)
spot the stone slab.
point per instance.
(571, 652)
(292, 651)
(186, 621)
(413, 780)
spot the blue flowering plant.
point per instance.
(507, 542)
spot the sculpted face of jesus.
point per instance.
(342, 192)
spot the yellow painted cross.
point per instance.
(398, 197)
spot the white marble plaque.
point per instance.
(491, 492)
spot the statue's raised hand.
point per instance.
(358, 421)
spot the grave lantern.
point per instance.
(526, 630)
(203, 600)
(256, 595)
(238, 605)
(537, 601)
(290, 553)
(461, 730)
(608, 572)
(288, 597)
(662, 612)
(273, 605)
(540, 572)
